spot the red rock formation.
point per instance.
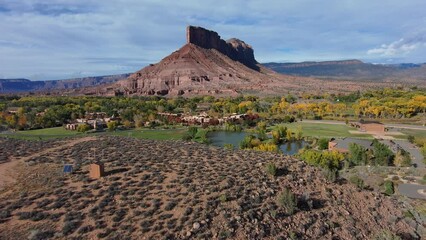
(234, 48)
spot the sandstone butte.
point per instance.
(205, 65)
(209, 65)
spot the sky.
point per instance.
(59, 39)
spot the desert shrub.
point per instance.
(187, 211)
(105, 233)
(323, 143)
(386, 235)
(5, 214)
(402, 159)
(34, 215)
(410, 138)
(201, 136)
(288, 201)
(357, 181)
(247, 142)
(331, 174)
(229, 146)
(223, 198)
(41, 235)
(85, 229)
(271, 169)
(389, 188)
(170, 206)
(70, 227)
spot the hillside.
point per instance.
(181, 190)
(350, 70)
(26, 85)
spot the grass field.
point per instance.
(45, 133)
(415, 133)
(324, 130)
(60, 132)
(156, 134)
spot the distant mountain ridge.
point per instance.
(26, 85)
(350, 69)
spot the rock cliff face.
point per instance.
(234, 48)
(206, 64)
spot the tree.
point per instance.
(266, 147)
(328, 160)
(423, 150)
(323, 143)
(276, 136)
(410, 138)
(83, 128)
(402, 159)
(289, 136)
(382, 154)
(299, 133)
(357, 154)
(139, 120)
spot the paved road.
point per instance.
(406, 126)
(415, 153)
(391, 125)
(411, 190)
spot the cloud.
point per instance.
(400, 47)
(57, 38)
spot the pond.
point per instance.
(220, 138)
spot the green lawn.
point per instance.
(45, 133)
(60, 132)
(325, 130)
(416, 133)
(156, 134)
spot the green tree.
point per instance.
(383, 156)
(323, 143)
(357, 154)
(83, 128)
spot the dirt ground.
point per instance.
(182, 190)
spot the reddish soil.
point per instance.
(181, 190)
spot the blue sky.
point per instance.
(57, 39)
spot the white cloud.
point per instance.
(400, 47)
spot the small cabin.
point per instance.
(369, 126)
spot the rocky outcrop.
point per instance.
(205, 65)
(234, 48)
